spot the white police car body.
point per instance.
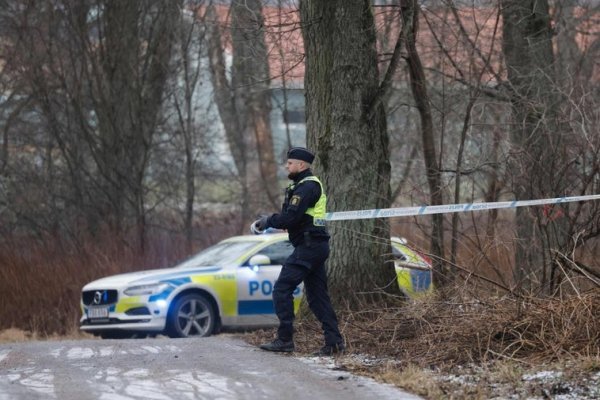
(227, 285)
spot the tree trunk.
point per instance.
(493, 189)
(134, 72)
(250, 78)
(351, 142)
(537, 141)
(244, 104)
(191, 41)
(231, 116)
(418, 84)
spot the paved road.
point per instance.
(218, 367)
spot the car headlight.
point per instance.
(142, 290)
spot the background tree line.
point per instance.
(144, 119)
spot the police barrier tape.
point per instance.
(448, 208)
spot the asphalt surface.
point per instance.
(218, 367)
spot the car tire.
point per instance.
(191, 315)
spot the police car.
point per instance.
(227, 285)
(413, 269)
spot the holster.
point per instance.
(307, 239)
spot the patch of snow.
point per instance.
(41, 382)
(201, 385)
(3, 354)
(146, 389)
(80, 352)
(56, 352)
(327, 362)
(152, 349)
(368, 361)
(136, 372)
(542, 376)
(114, 396)
(106, 351)
(461, 380)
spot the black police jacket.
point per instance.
(299, 197)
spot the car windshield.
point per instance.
(403, 253)
(220, 254)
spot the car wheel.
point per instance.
(191, 315)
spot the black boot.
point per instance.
(279, 345)
(330, 350)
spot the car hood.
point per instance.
(147, 276)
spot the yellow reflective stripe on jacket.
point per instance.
(319, 210)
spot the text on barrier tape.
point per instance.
(448, 208)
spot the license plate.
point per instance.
(97, 312)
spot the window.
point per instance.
(220, 254)
(294, 117)
(398, 255)
(278, 252)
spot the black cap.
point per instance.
(300, 153)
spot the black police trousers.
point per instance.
(306, 264)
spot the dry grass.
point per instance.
(443, 334)
(16, 335)
(412, 379)
(531, 330)
(430, 332)
(40, 289)
(12, 335)
(471, 348)
(41, 279)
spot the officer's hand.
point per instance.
(261, 223)
(254, 230)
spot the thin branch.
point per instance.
(386, 83)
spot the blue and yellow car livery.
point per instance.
(229, 284)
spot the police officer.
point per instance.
(303, 215)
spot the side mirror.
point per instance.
(259, 259)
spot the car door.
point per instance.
(255, 285)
